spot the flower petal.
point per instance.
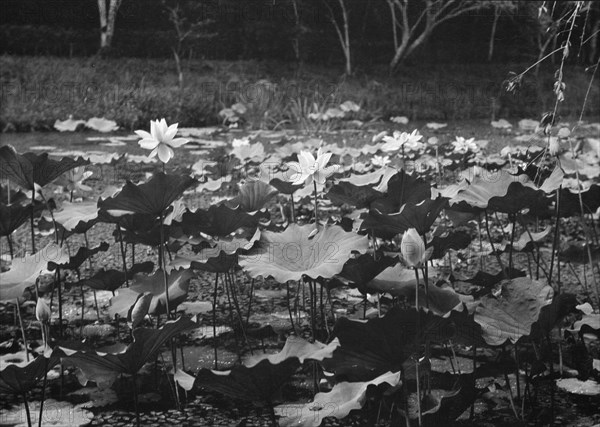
(178, 142)
(165, 153)
(148, 144)
(143, 134)
(154, 129)
(171, 132)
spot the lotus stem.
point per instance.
(10, 246)
(418, 339)
(124, 259)
(512, 242)
(215, 317)
(487, 229)
(43, 385)
(31, 220)
(316, 206)
(293, 207)
(18, 308)
(287, 286)
(26, 403)
(250, 301)
(136, 401)
(60, 314)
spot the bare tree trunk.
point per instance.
(493, 34)
(103, 23)
(112, 17)
(296, 38)
(107, 21)
(344, 37)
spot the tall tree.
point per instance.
(413, 21)
(343, 31)
(498, 8)
(108, 16)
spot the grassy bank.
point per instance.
(35, 91)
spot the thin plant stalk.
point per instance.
(18, 308)
(26, 403)
(136, 401)
(487, 229)
(287, 286)
(31, 221)
(124, 258)
(250, 301)
(215, 317)
(167, 304)
(316, 206)
(418, 374)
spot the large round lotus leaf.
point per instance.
(353, 195)
(103, 368)
(18, 378)
(370, 348)
(178, 282)
(505, 192)
(73, 214)
(298, 348)
(576, 386)
(218, 221)
(365, 268)
(298, 251)
(419, 215)
(14, 215)
(400, 281)
(510, 315)
(30, 168)
(151, 197)
(253, 196)
(259, 384)
(343, 398)
(25, 271)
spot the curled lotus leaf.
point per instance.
(25, 271)
(104, 367)
(343, 398)
(151, 198)
(29, 169)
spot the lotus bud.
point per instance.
(42, 311)
(413, 248)
(554, 146)
(140, 309)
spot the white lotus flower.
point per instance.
(309, 168)
(413, 249)
(408, 141)
(42, 311)
(381, 161)
(462, 146)
(161, 139)
(73, 179)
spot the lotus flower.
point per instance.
(462, 146)
(73, 179)
(381, 161)
(408, 141)
(413, 248)
(42, 311)
(309, 168)
(161, 139)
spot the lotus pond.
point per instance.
(393, 274)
